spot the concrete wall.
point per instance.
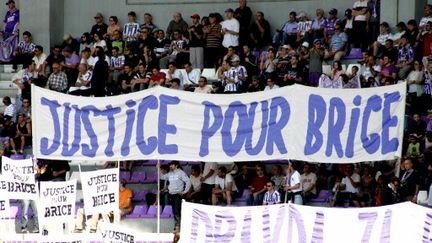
(79, 13)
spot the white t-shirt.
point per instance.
(293, 180)
(230, 39)
(195, 182)
(308, 180)
(87, 77)
(383, 37)
(39, 60)
(10, 110)
(223, 182)
(207, 167)
(347, 182)
(191, 78)
(362, 4)
(275, 86)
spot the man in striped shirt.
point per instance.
(271, 196)
(212, 36)
(116, 65)
(131, 28)
(24, 52)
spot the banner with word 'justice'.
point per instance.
(283, 223)
(17, 180)
(296, 122)
(101, 190)
(57, 200)
(116, 233)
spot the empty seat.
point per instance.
(151, 212)
(139, 195)
(125, 175)
(326, 69)
(355, 53)
(17, 156)
(151, 177)
(137, 177)
(350, 66)
(323, 197)
(167, 212)
(138, 211)
(210, 74)
(244, 196)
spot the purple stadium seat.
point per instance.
(355, 53)
(137, 177)
(167, 212)
(151, 177)
(244, 195)
(151, 162)
(17, 156)
(139, 195)
(183, 163)
(138, 212)
(14, 212)
(323, 197)
(151, 213)
(125, 175)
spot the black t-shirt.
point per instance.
(99, 28)
(195, 41)
(59, 165)
(52, 59)
(127, 77)
(292, 74)
(132, 60)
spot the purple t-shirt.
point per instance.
(388, 70)
(10, 20)
(74, 59)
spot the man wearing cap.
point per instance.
(330, 24)
(11, 20)
(131, 28)
(230, 30)
(99, 27)
(196, 42)
(179, 185)
(176, 24)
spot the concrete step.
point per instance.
(6, 76)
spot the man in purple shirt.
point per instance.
(330, 24)
(11, 20)
(70, 66)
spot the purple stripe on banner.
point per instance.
(266, 226)
(197, 216)
(370, 218)
(318, 229)
(280, 218)
(294, 215)
(245, 234)
(385, 232)
(228, 217)
(426, 228)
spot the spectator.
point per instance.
(39, 59)
(317, 27)
(271, 68)
(86, 41)
(10, 108)
(308, 183)
(389, 50)
(162, 44)
(388, 69)
(415, 87)
(196, 44)
(293, 185)
(426, 39)
(24, 52)
(405, 57)
(347, 24)
(131, 28)
(70, 66)
(130, 57)
(335, 80)
(409, 182)
(23, 135)
(148, 23)
(289, 30)
(163, 181)
(173, 72)
(259, 32)
(157, 77)
(11, 20)
(100, 74)
(360, 24)
(25, 109)
(125, 201)
(413, 150)
(125, 79)
(338, 43)
(208, 181)
(176, 24)
(249, 61)
(427, 16)
(190, 76)
(173, 84)
(212, 36)
(384, 35)
(244, 15)
(294, 73)
(179, 185)
(255, 85)
(178, 51)
(141, 79)
(230, 30)
(270, 84)
(194, 194)
(117, 62)
(203, 87)
(146, 38)
(429, 124)
(117, 41)
(23, 80)
(272, 196)
(257, 188)
(401, 30)
(112, 28)
(330, 25)
(374, 10)
(149, 58)
(390, 194)
(316, 56)
(225, 187)
(72, 43)
(349, 186)
(99, 42)
(366, 189)
(82, 84)
(99, 27)
(417, 126)
(57, 80)
(370, 69)
(278, 178)
(54, 57)
(304, 26)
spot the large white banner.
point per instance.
(17, 180)
(57, 201)
(5, 211)
(405, 222)
(101, 190)
(297, 122)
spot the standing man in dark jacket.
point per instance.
(244, 15)
(100, 74)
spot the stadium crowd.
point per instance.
(246, 56)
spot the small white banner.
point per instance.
(57, 201)
(101, 190)
(114, 233)
(17, 180)
(4, 208)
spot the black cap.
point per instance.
(333, 11)
(174, 162)
(132, 13)
(10, 1)
(401, 24)
(385, 24)
(86, 50)
(229, 10)
(212, 15)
